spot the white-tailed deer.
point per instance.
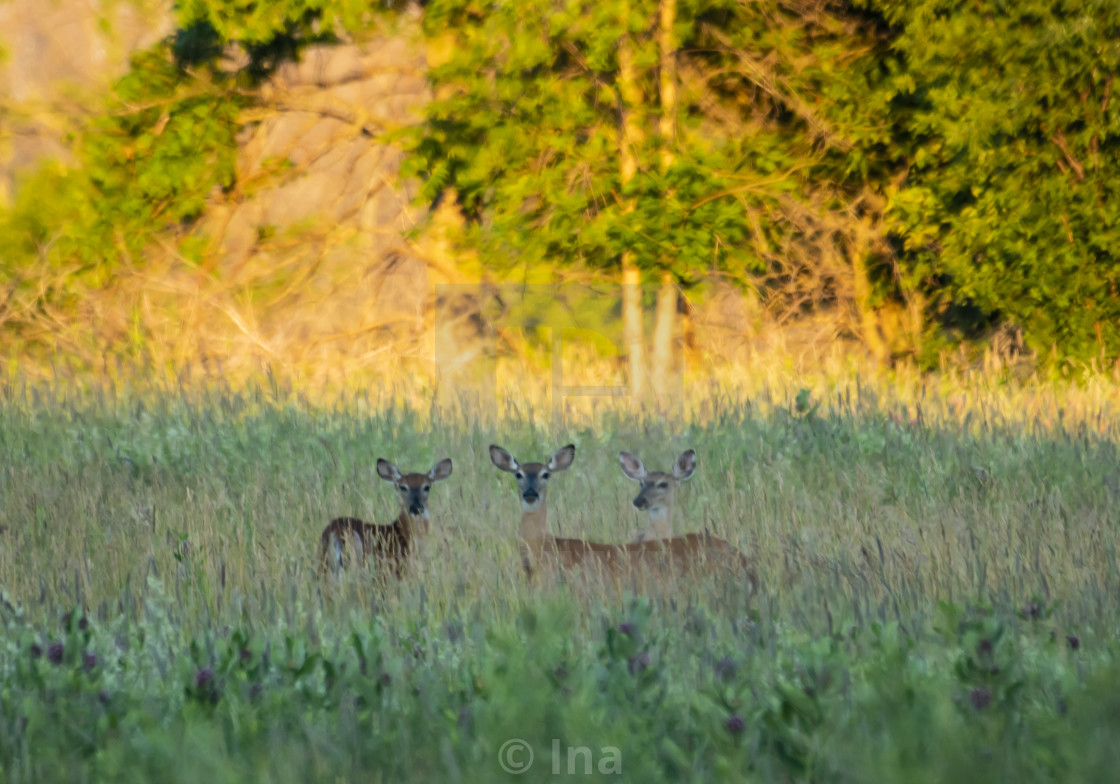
(389, 544)
(680, 554)
(656, 495)
(532, 488)
(656, 499)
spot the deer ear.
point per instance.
(503, 459)
(440, 470)
(387, 471)
(685, 466)
(632, 466)
(563, 458)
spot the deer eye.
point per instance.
(519, 475)
(403, 488)
(427, 488)
(663, 485)
(544, 475)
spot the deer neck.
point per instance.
(660, 522)
(534, 523)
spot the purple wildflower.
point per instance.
(726, 668)
(638, 663)
(980, 698)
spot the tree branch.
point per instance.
(1060, 141)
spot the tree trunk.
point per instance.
(631, 133)
(632, 332)
(629, 137)
(663, 336)
(667, 82)
(667, 131)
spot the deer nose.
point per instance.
(530, 495)
(640, 502)
(415, 509)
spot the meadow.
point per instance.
(940, 589)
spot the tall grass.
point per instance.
(939, 566)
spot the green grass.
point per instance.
(940, 600)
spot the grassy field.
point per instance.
(940, 600)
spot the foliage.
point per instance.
(371, 700)
(145, 169)
(259, 23)
(149, 163)
(973, 639)
(862, 157)
(530, 131)
(1005, 115)
(982, 134)
(269, 33)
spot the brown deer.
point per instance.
(656, 496)
(679, 554)
(656, 499)
(389, 544)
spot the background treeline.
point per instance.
(933, 175)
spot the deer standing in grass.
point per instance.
(658, 488)
(656, 499)
(389, 544)
(682, 553)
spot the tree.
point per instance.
(660, 139)
(1010, 211)
(147, 166)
